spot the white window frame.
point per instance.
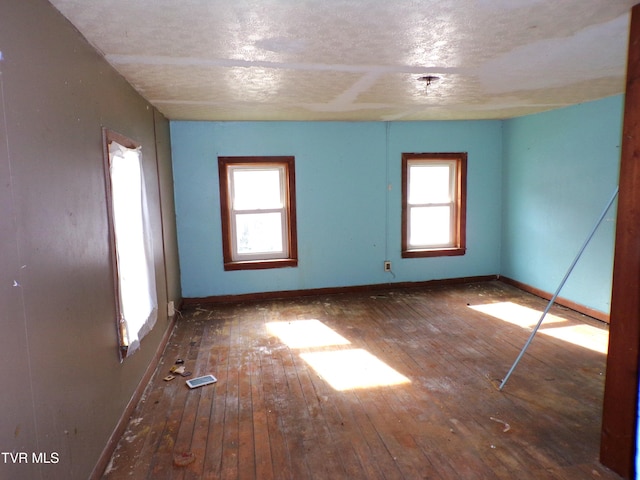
(234, 212)
(451, 203)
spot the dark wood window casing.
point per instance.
(459, 227)
(291, 259)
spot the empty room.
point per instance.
(320, 239)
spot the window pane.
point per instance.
(429, 184)
(430, 226)
(254, 189)
(135, 275)
(259, 233)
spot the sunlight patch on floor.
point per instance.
(586, 336)
(583, 335)
(351, 369)
(306, 334)
(516, 314)
(342, 369)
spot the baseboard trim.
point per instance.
(565, 302)
(378, 287)
(121, 426)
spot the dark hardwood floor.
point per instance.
(399, 385)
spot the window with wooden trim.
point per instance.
(131, 241)
(258, 211)
(434, 197)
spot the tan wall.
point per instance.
(64, 388)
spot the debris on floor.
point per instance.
(178, 368)
(506, 428)
(183, 459)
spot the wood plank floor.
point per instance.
(296, 396)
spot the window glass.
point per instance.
(430, 183)
(259, 233)
(130, 232)
(430, 226)
(256, 189)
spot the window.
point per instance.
(132, 250)
(257, 203)
(433, 204)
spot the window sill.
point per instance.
(434, 252)
(261, 264)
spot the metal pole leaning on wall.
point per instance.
(555, 295)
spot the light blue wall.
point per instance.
(536, 186)
(348, 217)
(560, 169)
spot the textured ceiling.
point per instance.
(359, 59)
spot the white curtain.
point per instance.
(134, 249)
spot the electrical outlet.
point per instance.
(171, 309)
(387, 266)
